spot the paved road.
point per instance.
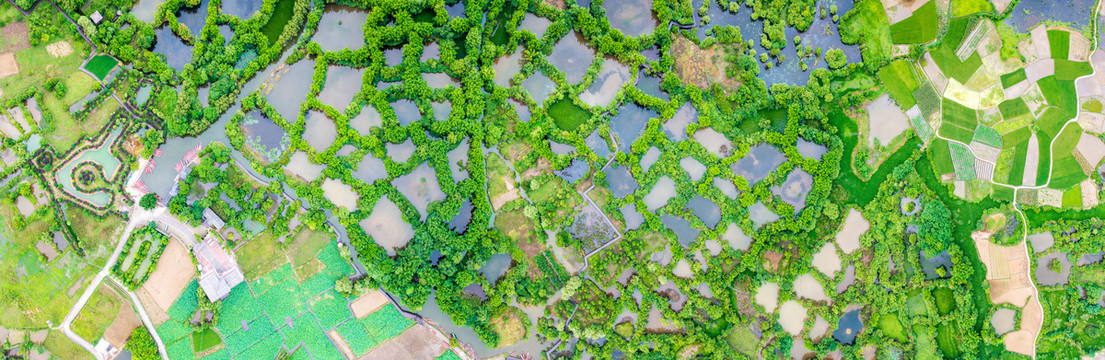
(137, 217)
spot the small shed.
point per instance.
(96, 18)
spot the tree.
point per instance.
(836, 59)
(141, 345)
(149, 201)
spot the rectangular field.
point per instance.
(1060, 43)
(1013, 78)
(900, 79)
(919, 28)
(951, 131)
(960, 115)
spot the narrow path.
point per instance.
(1035, 290)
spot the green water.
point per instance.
(567, 115)
(279, 20)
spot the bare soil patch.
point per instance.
(699, 67)
(174, 271)
(59, 49)
(14, 37)
(124, 324)
(8, 67)
(368, 303)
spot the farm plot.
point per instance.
(945, 55)
(963, 161)
(900, 79)
(1068, 168)
(1013, 78)
(1059, 40)
(919, 28)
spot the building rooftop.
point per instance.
(219, 271)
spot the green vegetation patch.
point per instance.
(567, 115)
(1066, 70)
(945, 57)
(988, 136)
(919, 28)
(1051, 122)
(386, 323)
(1013, 108)
(1060, 93)
(281, 15)
(97, 314)
(742, 340)
(947, 339)
(1043, 166)
(960, 115)
(1013, 78)
(901, 80)
(892, 326)
(941, 156)
(101, 66)
(953, 132)
(1060, 44)
(963, 161)
(1067, 170)
(945, 300)
(971, 7)
(205, 339)
(1072, 198)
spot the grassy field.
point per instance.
(1066, 70)
(944, 55)
(867, 21)
(742, 340)
(97, 314)
(945, 300)
(261, 255)
(510, 326)
(861, 191)
(95, 234)
(1072, 198)
(281, 14)
(970, 7)
(63, 348)
(946, 339)
(567, 115)
(66, 129)
(1060, 43)
(892, 327)
(942, 156)
(987, 136)
(1051, 122)
(1060, 93)
(36, 66)
(1067, 171)
(963, 161)
(1013, 78)
(951, 131)
(900, 80)
(101, 65)
(960, 115)
(205, 340)
(1013, 108)
(1042, 167)
(919, 28)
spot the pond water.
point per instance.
(849, 326)
(736, 238)
(1041, 241)
(651, 86)
(364, 121)
(264, 136)
(536, 25)
(792, 316)
(706, 210)
(393, 56)
(632, 17)
(1046, 277)
(420, 187)
(145, 10)
(663, 191)
(892, 121)
(807, 287)
(194, 18)
(496, 267)
(676, 299)
(455, 10)
(607, 84)
(761, 160)
(819, 329)
(401, 152)
(633, 219)
(320, 131)
(339, 26)
(684, 232)
(811, 149)
(573, 56)
(575, 170)
(177, 53)
(242, 9)
(662, 257)
(760, 214)
(854, 226)
(386, 226)
(630, 123)
(767, 296)
(794, 189)
(676, 128)
(929, 265)
(340, 194)
(439, 80)
(430, 51)
(1088, 259)
(561, 149)
(458, 161)
(693, 168)
(505, 68)
(342, 83)
(827, 261)
(621, 181)
(460, 222)
(475, 290)
(714, 142)
(597, 143)
(441, 110)
(649, 158)
(848, 279)
(370, 169)
(822, 33)
(656, 322)
(591, 228)
(539, 87)
(291, 89)
(406, 112)
(1004, 320)
(1025, 16)
(727, 188)
(100, 155)
(300, 165)
(521, 109)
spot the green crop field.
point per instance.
(927, 99)
(963, 161)
(1060, 93)
(944, 55)
(971, 7)
(1013, 108)
(1016, 172)
(1013, 78)
(1060, 43)
(941, 157)
(101, 65)
(1051, 122)
(900, 79)
(919, 28)
(1004, 165)
(1072, 197)
(1016, 138)
(1066, 70)
(953, 132)
(987, 136)
(1067, 172)
(1044, 164)
(892, 326)
(567, 115)
(960, 115)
